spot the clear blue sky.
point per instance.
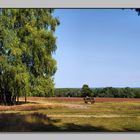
(98, 47)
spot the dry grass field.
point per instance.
(60, 114)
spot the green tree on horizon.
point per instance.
(86, 91)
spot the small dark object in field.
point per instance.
(89, 99)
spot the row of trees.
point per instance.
(117, 92)
(98, 92)
(27, 42)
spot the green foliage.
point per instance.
(67, 92)
(100, 92)
(27, 42)
(86, 91)
(138, 10)
(43, 87)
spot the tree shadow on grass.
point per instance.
(39, 122)
(34, 122)
(71, 127)
(137, 129)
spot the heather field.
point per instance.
(63, 114)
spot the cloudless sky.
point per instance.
(98, 47)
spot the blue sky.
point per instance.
(98, 47)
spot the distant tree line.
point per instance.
(99, 92)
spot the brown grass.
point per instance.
(79, 99)
(71, 114)
(26, 107)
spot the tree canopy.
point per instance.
(27, 42)
(138, 10)
(86, 91)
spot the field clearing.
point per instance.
(76, 99)
(64, 114)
